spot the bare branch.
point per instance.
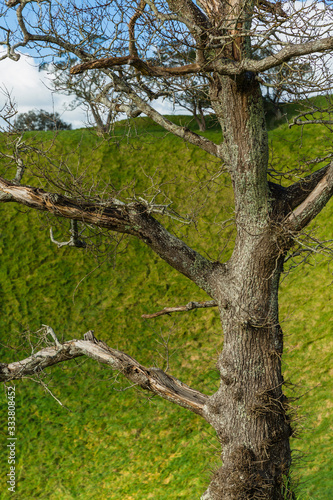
(222, 65)
(299, 191)
(313, 204)
(189, 307)
(310, 122)
(290, 51)
(297, 120)
(150, 379)
(74, 240)
(131, 26)
(132, 218)
(132, 60)
(192, 16)
(50, 331)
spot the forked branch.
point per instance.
(223, 66)
(74, 240)
(150, 379)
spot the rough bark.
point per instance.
(151, 379)
(249, 411)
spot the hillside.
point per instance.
(116, 443)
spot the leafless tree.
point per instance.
(192, 93)
(83, 89)
(249, 410)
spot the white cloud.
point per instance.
(30, 89)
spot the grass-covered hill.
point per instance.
(122, 444)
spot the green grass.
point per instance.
(122, 444)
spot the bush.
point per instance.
(40, 120)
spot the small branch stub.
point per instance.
(74, 240)
(189, 307)
(50, 331)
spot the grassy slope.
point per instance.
(122, 445)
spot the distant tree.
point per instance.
(84, 91)
(40, 120)
(280, 84)
(191, 93)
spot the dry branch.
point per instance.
(132, 218)
(296, 193)
(137, 63)
(150, 379)
(313, 203)
(189, 307)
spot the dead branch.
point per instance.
(189, 307)
(144, 68)
(74, 240)
(50, 331)
(312, 204)
(132, 218)
(150, 379)
(296, 193)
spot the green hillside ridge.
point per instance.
(121, 444)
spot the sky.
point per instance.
(30, 89)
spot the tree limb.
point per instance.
(310, 122)
(131, 28)
(222, 65)
(132, 218)
(189, 307)
(299, 191)
(313, 203)
(192, 16)
(132, 60)
(230, 67)
(150, 379)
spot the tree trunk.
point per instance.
(249, 411)
(201, 122)
(101, 127)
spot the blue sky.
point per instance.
(30, 89)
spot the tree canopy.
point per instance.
(40, 120)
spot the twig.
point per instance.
(50, 331)
(189, 307)
(74, 240)
(51, 393)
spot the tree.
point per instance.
(279, 84)
(84, 91)
(41, 120)
(192, 93)
(248, 411)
